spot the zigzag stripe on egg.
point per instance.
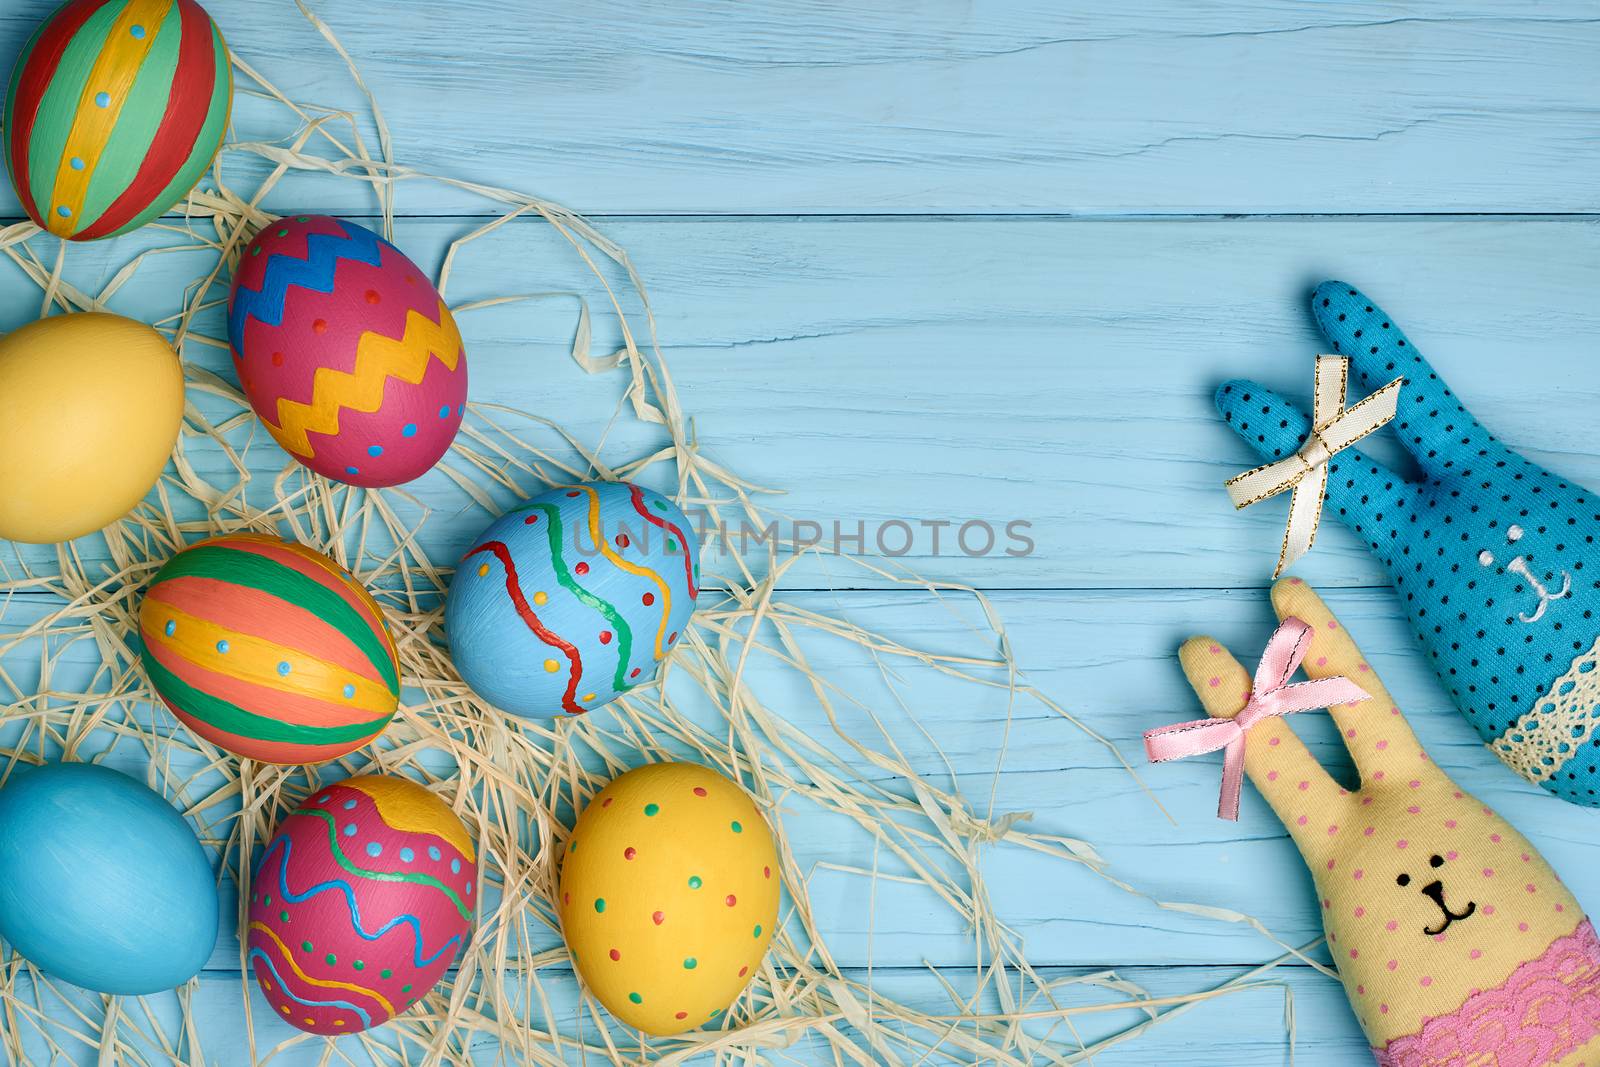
(346, 351)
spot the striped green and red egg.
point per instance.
(573, 598)
(114, 111)
(359, 904)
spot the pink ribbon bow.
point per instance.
(1272, 695)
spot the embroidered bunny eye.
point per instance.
(1436, 861)
(1486, 558)
(1403, 881)
(1513, 535)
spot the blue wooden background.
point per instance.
(936, 260)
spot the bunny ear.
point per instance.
(1432, 424)
(1359, 487)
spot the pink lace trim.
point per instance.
(1547, 1009)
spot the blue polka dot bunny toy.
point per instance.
(1494, 556)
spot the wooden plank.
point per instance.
(1241, 1029)
(1101, 107)
(1055, 372)
(1109, 657)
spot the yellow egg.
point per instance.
(90, 407)
(669, 892)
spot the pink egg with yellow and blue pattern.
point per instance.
(573, 598)
(346, 351)
(360, 903)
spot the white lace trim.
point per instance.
(1538, 743)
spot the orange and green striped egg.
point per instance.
(114, 112)
(269, 650)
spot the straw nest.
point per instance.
(69, 664)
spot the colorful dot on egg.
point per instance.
(648, 599)
(350, 830)
(652, 809)
(605, 637)
(580, 568)
(352, 470)
(588, 697)
(629, 852)
(405, 988)
(634, 673)
(622, 540)
(77, 163)
(284, 668)
(277, 359)
(736, 827)
(319, 326)
(350, 805)
(374, 849)
(283, 233)
(386, 973)
(102, 99)
(690, 964)
(599, 904)
(373, 297)
(358, 965)
(695, 882)
(406, 855)
(757, 931)
(331, 959)
(408, 430)
(444, 411)
(455, 866)
(552, 666)
(730, 900)
(433, 853)
(170, 628)
(699, 790)
(483, 570)
(616, 956)
(374, 451)
(136, 32)
(541, 597)
(349, 691)
(635, 998)
(64, 211)
(283, 916)
(223, 646)
(305, 946)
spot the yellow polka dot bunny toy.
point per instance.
(1456, 942)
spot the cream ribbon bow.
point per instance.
(1335, 428)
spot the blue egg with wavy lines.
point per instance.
(573, 598)
(102, 882)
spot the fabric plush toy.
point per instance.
(1457, 944)
(1495, 556)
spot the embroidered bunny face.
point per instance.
(1496, 559)
(1520, 569)
(1435, 892)
(1433, 905)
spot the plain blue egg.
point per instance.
(573, 598)
(102, 882)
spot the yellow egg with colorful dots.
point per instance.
(669, 894)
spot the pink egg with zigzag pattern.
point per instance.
(346, 351)
(360, 903)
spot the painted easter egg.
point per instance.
(102, 882)
(362, 900)
(346, 351)
(269, 649)
(669, 892)
(572, 599)
(116, 109)
(90, 407)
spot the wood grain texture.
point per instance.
(1053, 371)
(1033, 106)
(949, 364)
